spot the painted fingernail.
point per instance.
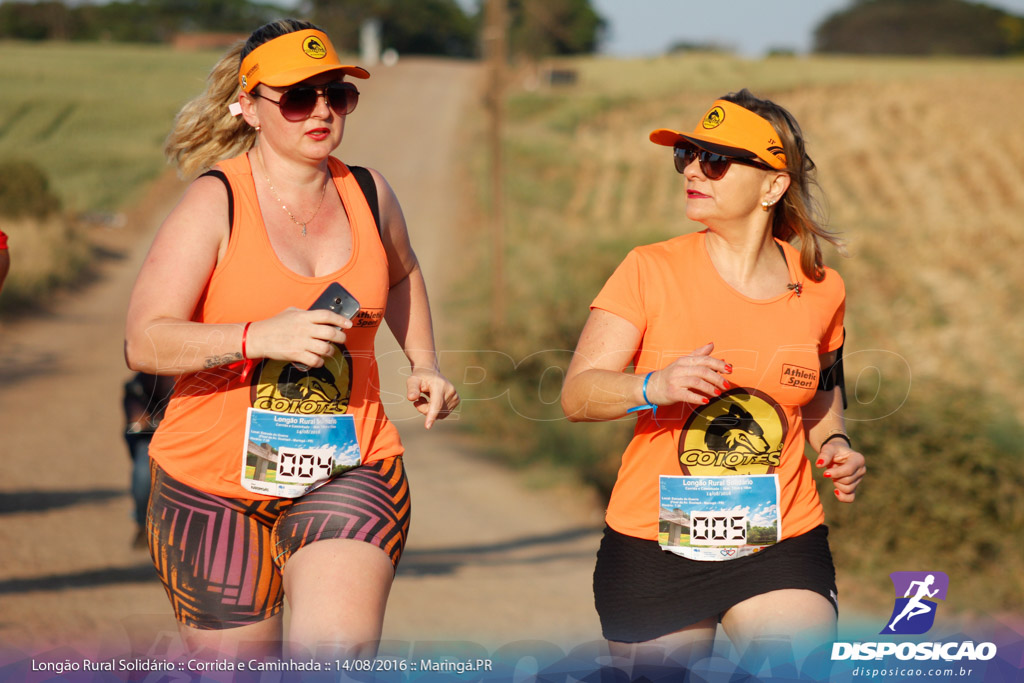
(820, 463)
(704, 400)
(728, 367)
(836, 491)
(718, 392)
(828, 474)
(727, 385)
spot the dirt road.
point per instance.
(490, 560)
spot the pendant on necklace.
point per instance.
(303, 229)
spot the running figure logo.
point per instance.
(914, 613)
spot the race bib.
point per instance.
(288, 454)
(712, 519)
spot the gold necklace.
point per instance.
(295, 220)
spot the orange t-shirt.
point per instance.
(202, 438)
(673, 294)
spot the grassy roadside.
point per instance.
(933, 356)
(92, 118)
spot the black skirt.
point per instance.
(643, 592)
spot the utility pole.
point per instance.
(496, 51)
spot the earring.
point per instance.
(765, 205)
(258, 128)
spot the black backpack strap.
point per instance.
(362, 175)
(231, 197)
(369, 188)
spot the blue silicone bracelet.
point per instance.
(647, 402)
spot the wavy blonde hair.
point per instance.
(204, 130)
(800, 214)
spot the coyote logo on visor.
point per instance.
(714, 118)
(740, 432)
(314, 47)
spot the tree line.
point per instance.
(921, 27)
(537, 28)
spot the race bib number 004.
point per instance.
(718, 518)
(288, 455)
(295, 466)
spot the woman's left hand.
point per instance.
(431, 394)
(844, 466)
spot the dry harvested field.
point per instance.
(922, 167)
(924, 179)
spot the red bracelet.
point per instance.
(245, 335)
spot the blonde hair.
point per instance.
(204, 130)
(800, 214)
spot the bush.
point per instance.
(943, 486)
(47, 252)
(25, 191)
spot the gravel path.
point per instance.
(491, 559)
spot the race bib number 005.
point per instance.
(718, 528)
(718, 518)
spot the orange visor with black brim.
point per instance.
(291, 58)
(730, 130)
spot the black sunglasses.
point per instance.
(712, 165)
(298, 103)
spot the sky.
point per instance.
(750, 27)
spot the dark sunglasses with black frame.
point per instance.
(712, 165)
(297, 104)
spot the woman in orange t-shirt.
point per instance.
(734, 337)
(275, 470)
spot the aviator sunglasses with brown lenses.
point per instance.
(297, 104)
(712, 165)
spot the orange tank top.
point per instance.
(202, 440)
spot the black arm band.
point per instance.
(832, 376)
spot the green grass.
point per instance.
(94, 116)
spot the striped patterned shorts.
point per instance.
(220, 559)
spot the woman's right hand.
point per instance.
(305, 337)
(690, 379)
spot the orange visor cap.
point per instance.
(291, 58)
(730, 130)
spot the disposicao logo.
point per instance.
(914, 613)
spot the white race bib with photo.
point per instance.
(288, 455)
(712, 519)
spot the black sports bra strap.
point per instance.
(231, 197)
(369, 188)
